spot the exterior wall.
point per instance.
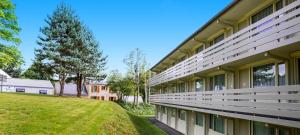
(29, 90)
(242, 102)
(100, 92)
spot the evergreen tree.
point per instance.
(90, 61)
(57, 43)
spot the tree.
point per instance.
(89, 60)
(136, 68)
(35, 71)
(123, 86)
(57, 43)
(10, 56)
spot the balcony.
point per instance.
(282, 28)
(277, 105)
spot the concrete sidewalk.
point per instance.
(164, 127)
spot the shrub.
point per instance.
(142, 109)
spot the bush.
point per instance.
(142, 109)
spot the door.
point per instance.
(244, 78)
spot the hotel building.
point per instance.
(239, 74)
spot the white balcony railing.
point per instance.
(279, 29)
(278, 105)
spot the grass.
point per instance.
(141, 110)
(34, 114)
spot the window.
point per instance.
(103, 88)
(284, 131)
(173, 113)
(219, 82)
(264, 75)
(281, 74)
(20, 90)
(199, 119)
(262, 14)
(199, 85)
(260, 128)
(217, 39)
(279, 4)
(287, 2)
(181, 114)
(216, 123)
(181, 87)
(199, 49)
(43, 92)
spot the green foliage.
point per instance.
(35, 72)
(68, 48)
(142, 109)
(9, 54)
(8, 22)
(10, 57)
(34, 114)
(123, 86)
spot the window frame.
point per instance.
(276, 79)
(203, 85)
(260, 11)
(201, 124)
(212, 125)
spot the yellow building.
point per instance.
(239, 74)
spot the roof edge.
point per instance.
(223, 11)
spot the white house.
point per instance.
(27, 86)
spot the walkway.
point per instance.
(164, 127)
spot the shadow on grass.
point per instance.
(143, 126)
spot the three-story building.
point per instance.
(239, 74)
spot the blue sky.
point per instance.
(154, 26)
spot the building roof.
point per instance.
(28, 83)
(232, 4)
(3, 73)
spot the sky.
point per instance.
(154, 26)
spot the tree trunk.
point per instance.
(79, 84)
(62, 84)
(145, 89)
(137, 95)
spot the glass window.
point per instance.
(260, 128)
(287, 2)
(181, 114)
(173, 113)
(199, 85)
(199, 119)
(219, 39)
(284, 131)
(264, 75)
(281, 74)
(262, 14)
(211, 83)
(279, 5)
(219, 82)
(199, 49)
(182, 87)
(217, 123)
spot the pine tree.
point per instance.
(90, 61)
(57, 43)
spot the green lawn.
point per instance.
(34, 114)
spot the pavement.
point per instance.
(164, 127)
